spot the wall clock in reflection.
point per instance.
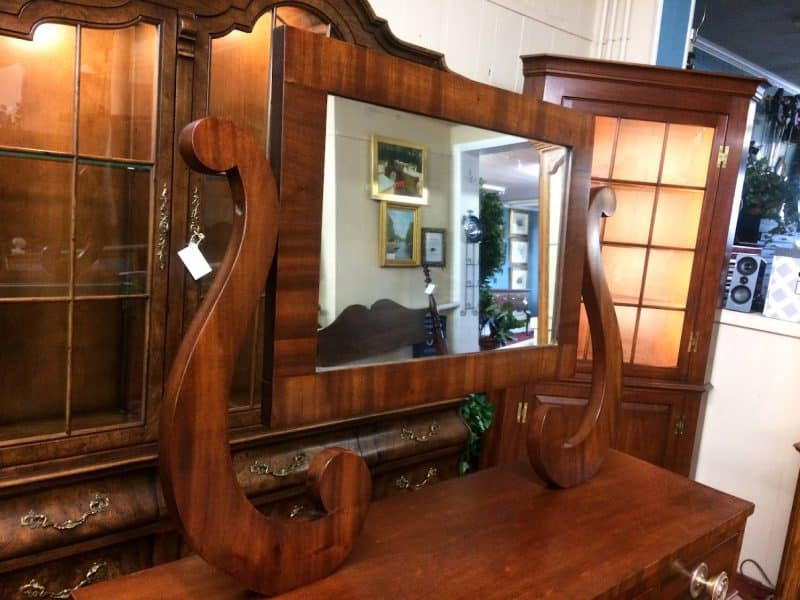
(473, 228)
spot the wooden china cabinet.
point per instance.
(670, 143)
(95, 201)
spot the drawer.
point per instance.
(407, 477)
(266, 469)
(55, 579)
(400, 438)
(57, 517)
(722, 557)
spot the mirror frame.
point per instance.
(306, 69)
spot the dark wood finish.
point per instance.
(56, 472)
(196, 468)
(360, 332)
(310, 68)
(788, 585)
(567, 459)
(604, 552)
(660, 424)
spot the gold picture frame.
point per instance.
(399, 235)
(398, 171)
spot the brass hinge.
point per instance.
(522, 412)
(722, 156)
(680, 426)
(693, 339)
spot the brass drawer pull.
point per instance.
(34, 589)
(404, 484)
(408, 434)
(302, 510)
(299, 462)
(700, 584)
(34, 520)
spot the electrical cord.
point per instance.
(760, 570)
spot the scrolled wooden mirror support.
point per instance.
(271, 555)
(219, 522)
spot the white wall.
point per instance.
(483, 39)
(751, 421)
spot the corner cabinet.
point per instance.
(670, 143)
(94, 204)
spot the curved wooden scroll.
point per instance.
(268, 555)
(564, 461)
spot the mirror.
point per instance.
(399, 189)
(329, 172)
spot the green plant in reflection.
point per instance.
(477, 413)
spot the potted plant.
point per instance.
(765, 195)
(500, 320)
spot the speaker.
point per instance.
(745, 292)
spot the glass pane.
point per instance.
(107, 362)
(659, 337)
(111, 230)
(37, 83)
(687, 155)
(302, 19)
(631, 221)
(667, 280)
(604, 130)
(33, 380)
(239, 79)
(624, 268)
(626, 317)
(35, 228)
(246, 388)
(119, 70)
(215, 217)
(638, 154)
(677, 218)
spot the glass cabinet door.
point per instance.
(78, 118)
(660, 172)
(238, 89)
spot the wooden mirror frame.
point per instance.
(306, 69)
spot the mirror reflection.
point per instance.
(437, 238)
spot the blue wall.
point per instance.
(502, 281)
(675, 17)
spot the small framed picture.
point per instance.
(399, 236)
(519, 278)
(518, 222)
(434, 252)
(519, 251)
(398, 171)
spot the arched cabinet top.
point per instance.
(351, 20)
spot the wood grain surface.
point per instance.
(198, 476)
(500, 534)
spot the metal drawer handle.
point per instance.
(300, 510)
(700, 584)
(408, 434)
(299, 462)
(34, 589)
(404, 484)
(34, 520)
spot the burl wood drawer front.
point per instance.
(412, 435)
(56, 579)
(407, 477)
(58, 517)
(273, 467)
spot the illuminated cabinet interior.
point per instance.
(659, 173)
(659, 136)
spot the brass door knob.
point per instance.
(716, 587)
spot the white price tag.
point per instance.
(195, 262)
(429, 289)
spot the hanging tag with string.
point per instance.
(192, 257)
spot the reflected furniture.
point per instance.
(670, 143)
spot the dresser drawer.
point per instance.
(54, 579)
(721, 557)
(402, 437)
(57, 517)
(406, 477)
(269, 468)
